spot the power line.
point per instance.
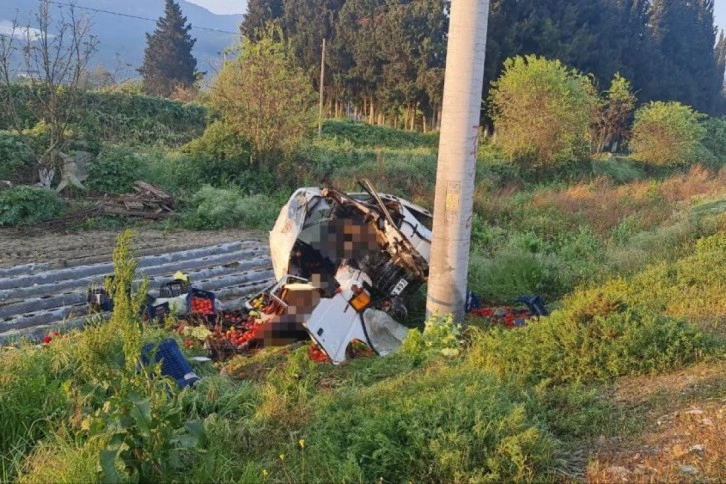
(119, 14)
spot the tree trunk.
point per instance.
(371, 116)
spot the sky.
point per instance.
(239, 6)
(720, 10)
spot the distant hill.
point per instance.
(122, 39)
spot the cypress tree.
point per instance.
(168, 60)
(720, 54)
(685, 36)
(259, 14)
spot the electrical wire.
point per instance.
(119, 14)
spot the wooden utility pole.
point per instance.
(322, 87)
(453, 206)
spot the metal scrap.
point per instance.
(345, 265)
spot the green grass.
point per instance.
(631, 262)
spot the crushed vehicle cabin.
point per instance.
(345, 265)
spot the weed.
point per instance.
(448, 424)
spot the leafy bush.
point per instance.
(217, 208)
(667, 134)
(441, 336)
(14, 156)
(221, 142)
(407, 173)
(114, 170)
(28, 205)
(127, 421)
(542, 111)
(266, 97)
(173, 170)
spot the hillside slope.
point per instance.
(122, 39)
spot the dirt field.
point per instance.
(57, 249)
(44, 275)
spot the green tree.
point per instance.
(667, 134)
(542, 111)
(356, 53)
(613, 116)
(306, 23)
(266, 97)
(687, 67)
(413, 52)
(259, 14)
(601, 37)
(720, 54)
(168, 60)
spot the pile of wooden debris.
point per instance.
(148, 201)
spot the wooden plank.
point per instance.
(154, 190)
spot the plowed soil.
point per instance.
(31, 246)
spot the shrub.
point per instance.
(114, 170)
(595, 337)
(14, 156)
(173, 170)
(217, 208)
(407, 173)
(221, 142)
(28, 205)
(542, 111)
(715, 139)
(667, 134)
(266, 98)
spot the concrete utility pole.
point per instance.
(458, 145)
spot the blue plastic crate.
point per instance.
(174, 288)
(158, 312)
(99, 300)
(535, 304)
(173, 363)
